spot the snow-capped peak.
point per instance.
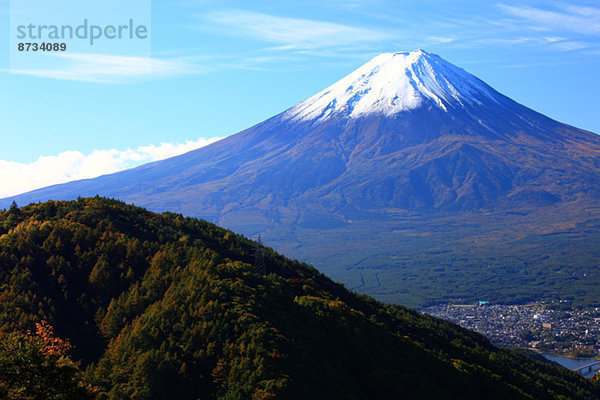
(392, 83)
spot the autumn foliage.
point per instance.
(158, 306)
(37, 367)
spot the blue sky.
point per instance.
(217, 67)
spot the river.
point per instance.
(573, 363)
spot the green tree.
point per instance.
(14, 208)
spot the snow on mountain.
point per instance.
(392, 83)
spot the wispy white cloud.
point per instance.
(557, 27)
(441, 39)
(570, 45)
(554, 39)
(585, 20)
(294, 33)
(102, 68)
(551, 43)
(17, 178)
(358, 5)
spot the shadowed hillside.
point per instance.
(162, 306)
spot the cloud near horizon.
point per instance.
(16, 178)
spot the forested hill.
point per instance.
(159, 306)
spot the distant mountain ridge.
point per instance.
(398, 146)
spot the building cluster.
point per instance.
(541, 326)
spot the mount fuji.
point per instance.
(409, 179)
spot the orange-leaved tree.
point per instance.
(36, 367)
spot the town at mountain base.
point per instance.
(162, 306)
(410, 180)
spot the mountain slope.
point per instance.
(406, 150)
(161, 306)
